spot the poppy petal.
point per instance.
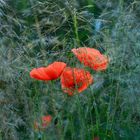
(51, 72)
(75, 79)
(91, 57)
(55, 69)
(38, 73)
(41, 71)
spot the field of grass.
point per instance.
(35, 33)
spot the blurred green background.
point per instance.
(35, 33)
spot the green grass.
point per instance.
(36, 33)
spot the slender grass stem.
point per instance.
(37, 23)
(76, 27)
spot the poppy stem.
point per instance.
(92, 96)
(58, 127)
(80, 111)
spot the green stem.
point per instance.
(96, 113)
(58, 127)
(37, 23)
(76, 27)
(81, 114)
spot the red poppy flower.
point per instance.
(96, 138)
(45, 121)
(91, 57)
(75, 79)
(51, 72)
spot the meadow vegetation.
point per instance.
(35, 33)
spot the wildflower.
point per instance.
(51, 72)
(75, 79)
(96, 138)
(45, 121)
(92, 58)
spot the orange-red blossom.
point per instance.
(92, 58)
(75, 80)
(51, 72)
(45, 121)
